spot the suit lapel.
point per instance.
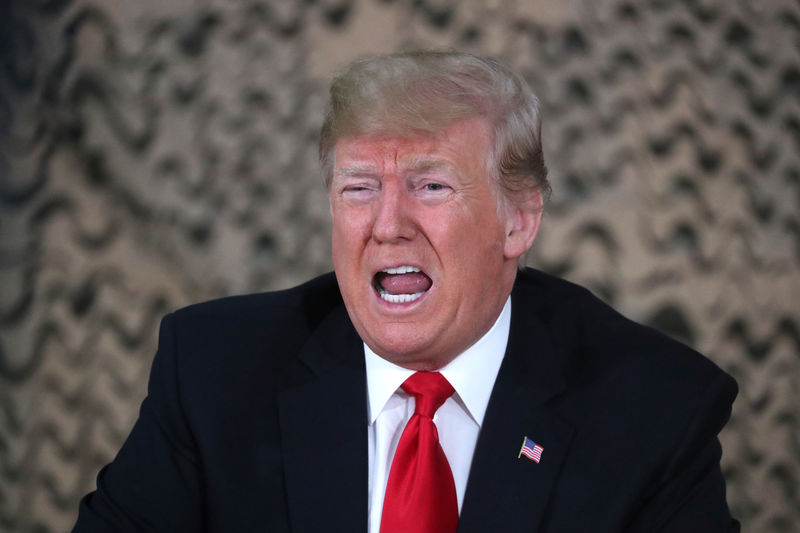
(504, 492)
(324, 433)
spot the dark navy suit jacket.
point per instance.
(256, 420)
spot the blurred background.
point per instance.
(161, 152)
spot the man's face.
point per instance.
(420, 248)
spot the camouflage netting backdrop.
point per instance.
(157, 153)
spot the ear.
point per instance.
(524, 215)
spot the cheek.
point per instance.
(477, 253)
(347, 240)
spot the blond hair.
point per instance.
(422, 92)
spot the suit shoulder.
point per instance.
(229, 347)
(597, 342)
(247, 326)
(307, 303)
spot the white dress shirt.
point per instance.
(458, 421)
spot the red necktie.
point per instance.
(420, 494)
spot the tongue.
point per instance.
(410, 283)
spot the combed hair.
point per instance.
(422, 92)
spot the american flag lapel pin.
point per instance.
(531, 450)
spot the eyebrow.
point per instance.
(356, 171)
(416, 165)
(421, 165)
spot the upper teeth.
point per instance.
(405, 269)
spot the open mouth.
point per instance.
(401, 284)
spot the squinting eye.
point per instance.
(355, 190)
(434, 186)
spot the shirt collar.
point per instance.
(472, 374)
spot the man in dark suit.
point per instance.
(430, 385)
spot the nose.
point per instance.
(393, 219)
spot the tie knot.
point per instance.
(430, 390)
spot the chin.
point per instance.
(414, 354)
